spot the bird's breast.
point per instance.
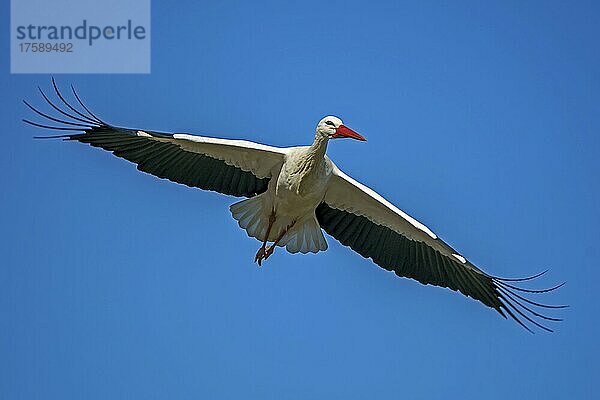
(301, 185)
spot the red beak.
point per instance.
(344, 131)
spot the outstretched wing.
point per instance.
(362, 219)
(233, 167)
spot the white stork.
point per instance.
(295, 193)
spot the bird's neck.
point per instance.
(319, 146)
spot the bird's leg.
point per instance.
(260, 255)
(271, 248)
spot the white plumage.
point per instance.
(295, 193)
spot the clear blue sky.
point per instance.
(482, 122)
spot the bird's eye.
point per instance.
(330, 123)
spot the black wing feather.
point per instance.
(416, 260)
(158, 157)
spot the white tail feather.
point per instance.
(305, 237)
(253, 216)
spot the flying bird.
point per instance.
(293, 194)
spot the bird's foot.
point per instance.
(269, 251)
(263, 253)
(260, 255)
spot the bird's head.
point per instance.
(333, 128)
